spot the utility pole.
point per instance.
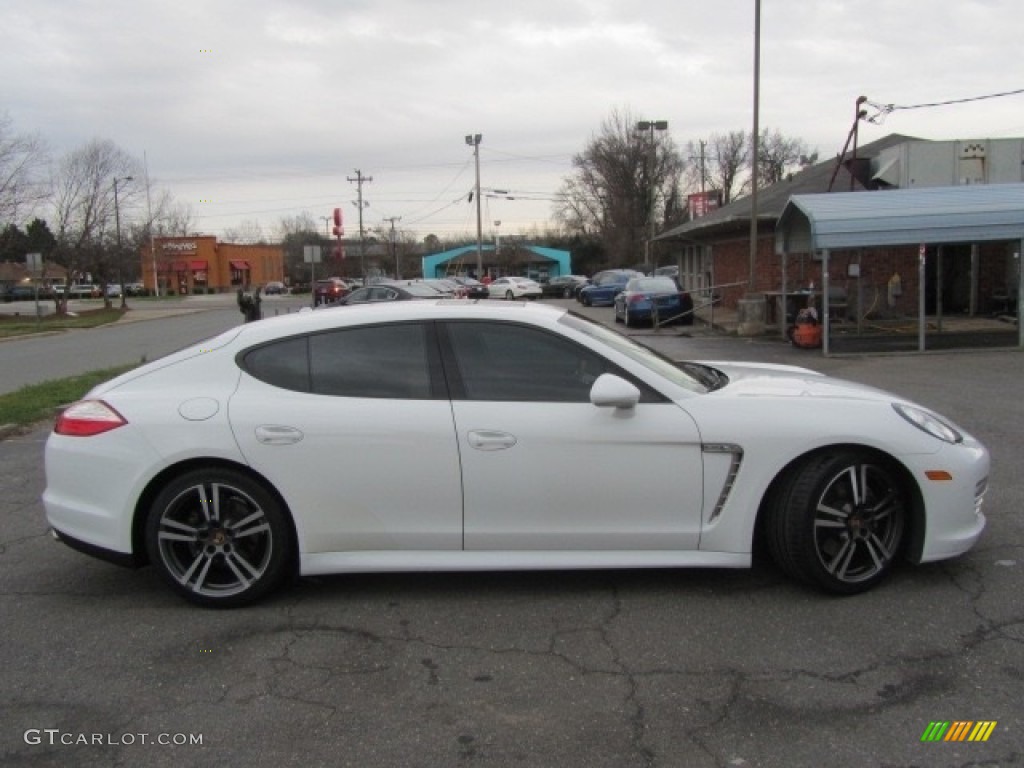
(755, 159)
(359, 180)
(650, 163)
(474, 142)
(394, 250)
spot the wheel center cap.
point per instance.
(218, 538)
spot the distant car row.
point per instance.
(336, 292)
(636, 298)
(27, 291)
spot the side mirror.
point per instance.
(610, 391)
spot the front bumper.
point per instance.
(954, 520)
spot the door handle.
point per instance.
(490, 440)
(276, 435)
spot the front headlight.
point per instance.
(929, 422)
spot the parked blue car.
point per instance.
(606, 286)
(645, 298)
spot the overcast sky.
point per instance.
(259, 109)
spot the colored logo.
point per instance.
(959, 730)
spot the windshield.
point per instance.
(648, 358)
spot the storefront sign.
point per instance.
(179, 247)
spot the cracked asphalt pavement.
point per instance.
(618, 669)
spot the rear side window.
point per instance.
(379, 361)
(282, 364)
(386, 361)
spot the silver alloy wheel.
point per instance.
(215, 540)
(858, 523)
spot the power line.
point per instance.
(884, 110)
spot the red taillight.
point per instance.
(636, 298)
(87, 418)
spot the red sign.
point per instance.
(703, 203)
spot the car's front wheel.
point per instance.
(219, 538)
(838, 520)
(509, 296)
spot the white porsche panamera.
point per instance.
(457, 435)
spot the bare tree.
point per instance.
(22, 183)
(84, 207)
(247, 231)
(623, 180)
(729, 154)
(778, 156)
(295, 233)
(171, 217)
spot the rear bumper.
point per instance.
(124, 559)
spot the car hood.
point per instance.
(768, 380)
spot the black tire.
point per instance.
(219, 538)
(618, 318)
(509, 296)
(838, 521)
(567, 293)
(629, 321)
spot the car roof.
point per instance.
(397, 311)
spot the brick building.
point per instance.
(199, 264)
(713, 252)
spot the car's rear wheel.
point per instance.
(567, 293)
(838, 520)
(219, 538)
(509, 295)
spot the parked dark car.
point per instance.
(562, 286)
(21, 292)
(647, 298)
(471, 288)
(331, 289)
(605, 286)
(372, 294)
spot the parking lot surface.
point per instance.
(105, 667)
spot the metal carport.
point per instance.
(902, 217)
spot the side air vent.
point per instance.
(736, 454)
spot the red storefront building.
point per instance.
(199, 264)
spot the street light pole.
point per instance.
(751, 310)
(651, 126)
(474, 142)
(120, 254)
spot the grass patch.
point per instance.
(21, 325)
(39, 402)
